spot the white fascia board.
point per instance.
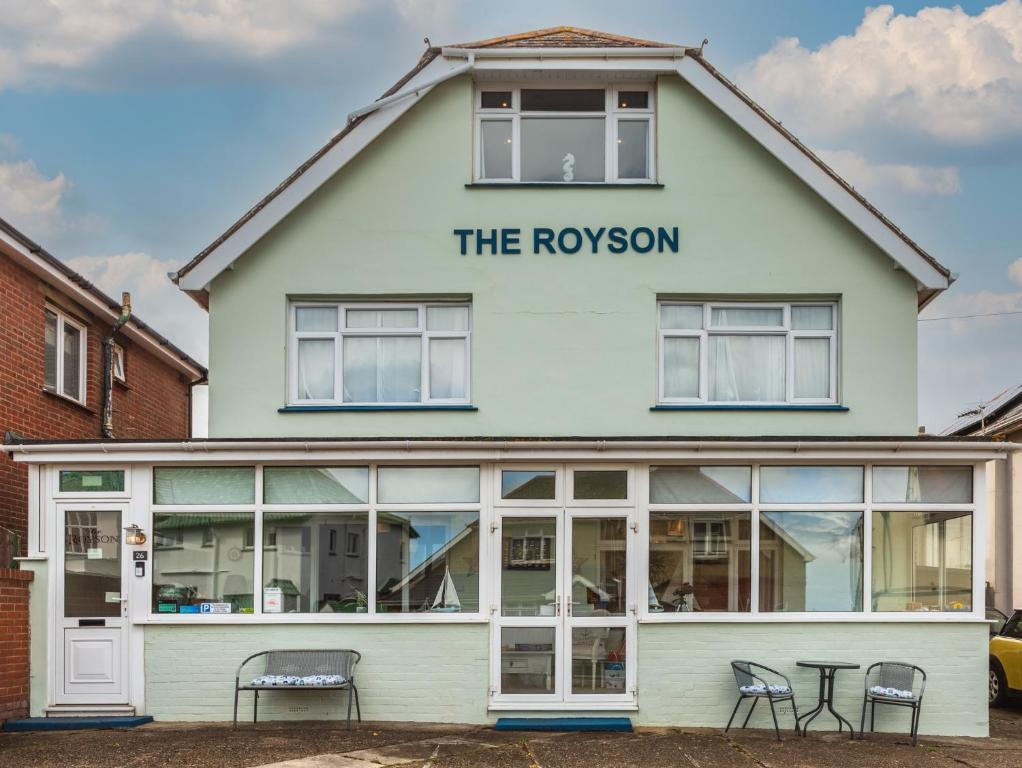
(652, 65)
(781, 147)
(45, 271)
(610, 52)
(315, 176)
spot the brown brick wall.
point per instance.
(14, 633)
(152, 404)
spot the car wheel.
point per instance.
(998, 686)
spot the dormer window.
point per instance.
(569, 135)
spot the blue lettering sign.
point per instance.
(568, 240)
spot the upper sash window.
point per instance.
(565, 135)
(64, 366)
(379, 354)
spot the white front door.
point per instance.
(565, 608)
(90, 648)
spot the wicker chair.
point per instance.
(302, 663)
(895, 676)
(756, 682)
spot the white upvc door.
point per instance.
(90, 625)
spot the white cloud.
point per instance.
(907, 179)
(1015, 271)
(940, 73)
(29, 199)
(153, 297)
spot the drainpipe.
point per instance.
(108, 365)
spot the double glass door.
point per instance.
(565, 610)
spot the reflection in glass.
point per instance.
(600, 484)
(315, 562)
(810, 485)
(939, 485)
(527, 484)
(681, 367)
(316, 485)
(747, 317)
(91, 480)
(563, 100)
(428, 485)
(681, 316)
(316, 318)
(598, 660)
(810, 561)
(381, 318)
(427, 561)
(528, 574)
(92, 563)
(598, 568)
(815, 318)
(527, 659)
(633, 149)
(448, 369)
(72, 361)
(812, 368)
(562, 149)
(700, 485)
(495, 149)
(203, 558)
(204, 485)
(700, 561)
(316, 369)
(922, 561)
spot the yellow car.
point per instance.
(1006, 661)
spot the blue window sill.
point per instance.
(413, 407)
(564, 185)
(723, 407)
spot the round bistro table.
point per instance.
(827, 670)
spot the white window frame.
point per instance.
(119, 359)
(612, 115)
(785, 330)
(83, 362)
(338, 336)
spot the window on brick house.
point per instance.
(120, 371)
(65, 362)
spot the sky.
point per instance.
(133, 132)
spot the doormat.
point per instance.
(564, 724)
(75, 723)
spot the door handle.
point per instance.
(557, 605)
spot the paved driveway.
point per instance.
(317, 745)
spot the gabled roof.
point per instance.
(53, 271)
(551, 43)
(1001, 413)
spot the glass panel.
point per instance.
(495, 149)
(92, 481)
(72, 361)
(633, 149)
(528, 573)
(937, 485)
(700, 561)
(382, 318)
(681, 367)
(92, 563)
(700, 485)
(204, 485)
(316, 485)
(922, 561)
(382, 369)
(600, 484)
(812, 318)
(812, 368)
(528, 484)
(810, 561)
(448, 369)
(527, 659)
(427, 562)
(495, 99)
(681, 317)
(563, 100)
(598, 572)
(316, 318)
(810, 485)
(598, 656)
(315, 563)
(428, 485)
(447, 318)
(747, 317)
(203, 563)
(316, 369)
(633, 100)
(50, 354)
(563, 149)
(746, 368)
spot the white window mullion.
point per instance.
(754, 557)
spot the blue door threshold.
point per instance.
(622, 724)
(75, 723)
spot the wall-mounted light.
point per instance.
(134, 536)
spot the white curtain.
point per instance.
(812, 368)
(382, 369)
(681, 367)
(747, 317)
(447, 368)
(746, 368)
(315, 369)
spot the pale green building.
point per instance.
(559, 379)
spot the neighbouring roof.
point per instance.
(78, 287)
(1000, 414)
(564, 37)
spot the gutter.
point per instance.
(107, 429)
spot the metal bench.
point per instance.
(302, 663)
